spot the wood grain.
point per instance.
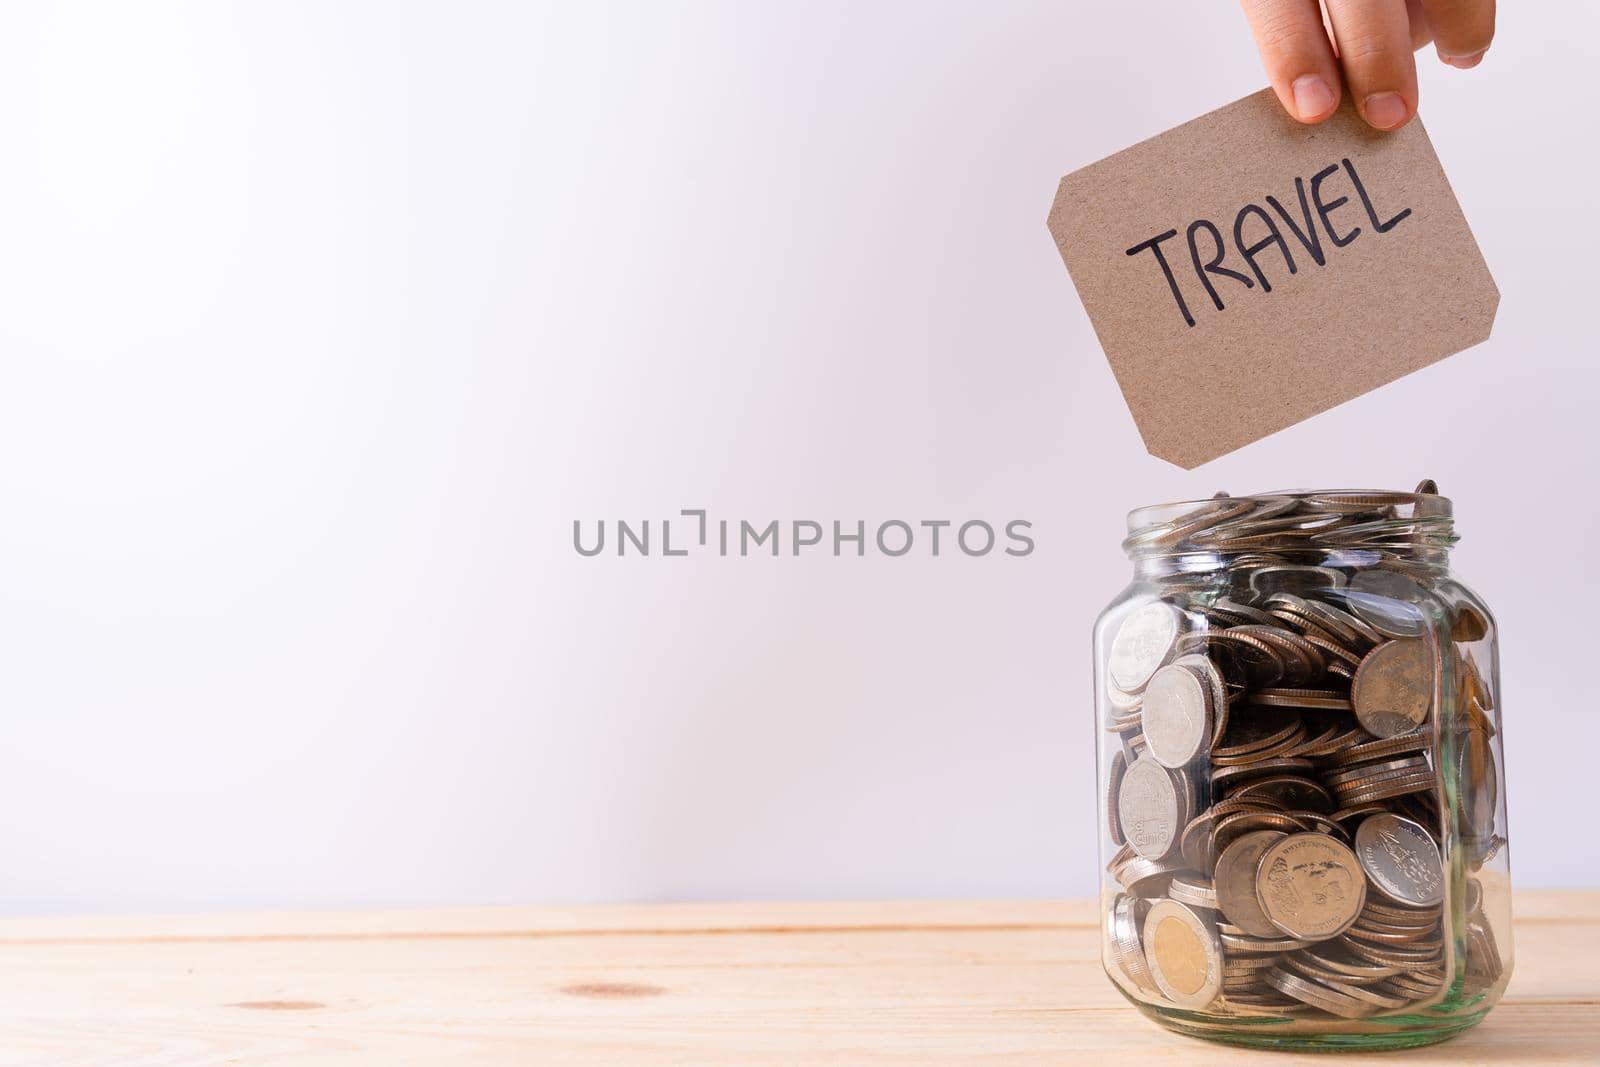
(867, 983)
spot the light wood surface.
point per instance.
(869, 983)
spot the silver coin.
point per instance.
(1147, 878)
(1208, 671)
(1123, 927)
(1119, 765)
(1151, 807)
(1382, 769)
(1401, 860)
(1143, 643)
(1318, 996)
(1177, 715)
(1295, 579)
(1193, 890)
(1121, 703)
(1390, 603)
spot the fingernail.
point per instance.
(1312, 97)
(1384, 110)
(1465, 62)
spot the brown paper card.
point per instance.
(1400, 283)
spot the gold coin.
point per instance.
(1470, 624)
(1393, 687)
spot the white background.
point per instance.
(322, 322)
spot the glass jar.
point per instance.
(1303, 835)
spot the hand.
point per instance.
(1374, 40)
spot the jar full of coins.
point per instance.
(1303, 841)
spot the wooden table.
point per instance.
(901, 983)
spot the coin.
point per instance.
(1235, 883)
(1356, 500)
(1264, 508)
(1410, 961)
(1261, 662)
(1119, 766)
(1343, 964)
(1126, 949)
(1310, 886)
(1329, 699)
(1151, 807)
(1143, 643)
(1300, 659)
(1244, 613)
(1390, 603)
(1340, 623)
(1469, 624)
(1292, 791)
(1393, 688)
(1374, 750)
(1368, 772)
(1184, 954)
(1177, 715)
(1207, 515)
(1295, 579)
(1401, 914)
(1332, 650)
(1193, 890)
(1261, 730)
(1242, 772)
(1386, 790)
(1212, 678)
(1401, 859)
(1245, 966)
(1371, 996)
(1198, 841)
(1146, 878)
(1317, 995)
(1483, 953)
(1479, 782)
(1475, 691)
(1236, 942)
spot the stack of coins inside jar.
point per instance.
(1292, 737)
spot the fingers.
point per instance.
(1375, 49)
(1421, 32)
(1297, 54)
(1462, 29)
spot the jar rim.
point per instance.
(1295, 520)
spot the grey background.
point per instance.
(323, 322)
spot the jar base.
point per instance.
(1424, 1032)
